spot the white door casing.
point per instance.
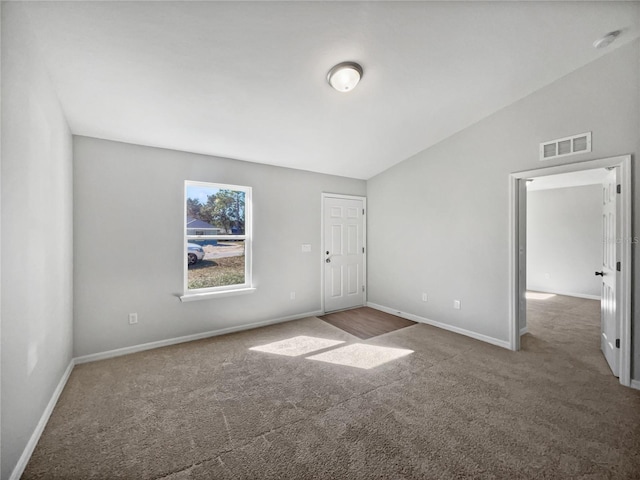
(522, 256)
(608, 304)
(343, 252)
(623, 243)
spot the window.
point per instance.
(217, 239)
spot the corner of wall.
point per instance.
(37, 269)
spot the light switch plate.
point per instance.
(306, 247)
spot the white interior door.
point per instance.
(608, 304)
(343, 253)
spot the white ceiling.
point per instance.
(247, 80)
(572, 179)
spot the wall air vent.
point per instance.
(566, 146)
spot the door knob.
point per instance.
(328, 260)
(600, 273)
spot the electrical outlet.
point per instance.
(133, 318)
(456, 304)
(424, 297)
(292, 295)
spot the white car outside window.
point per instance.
(195, 253)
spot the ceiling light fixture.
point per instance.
(607, 40)
(345, 76)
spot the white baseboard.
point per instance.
(524, 330)
(444, 326)
(188, 338)
(35, 436)
(566, 294)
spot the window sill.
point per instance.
(192, 297)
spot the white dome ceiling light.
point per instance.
(345, 76)
(607, 40)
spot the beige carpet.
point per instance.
(454, 408)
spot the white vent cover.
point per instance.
(566, 146)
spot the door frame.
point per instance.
(623, 290)
(323, 196)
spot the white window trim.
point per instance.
(191, 297)
(226, 290)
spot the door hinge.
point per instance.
(619, 188)
(363, 208)
(362, 249)
(617, 343)
(363, 288)
(618, 266)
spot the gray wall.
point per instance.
(128, 217)
(36, 238)
(438, 222)
(564, 240)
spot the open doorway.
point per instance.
(566, 270)
(565, 252)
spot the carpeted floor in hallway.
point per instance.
(306, 400)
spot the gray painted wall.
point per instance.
(564, 240)
(128, 217)
(438, 222)
(36, 238)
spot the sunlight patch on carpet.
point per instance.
(539, 296)
(360, 355)
(296, 346)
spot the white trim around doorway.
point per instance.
(515, 179)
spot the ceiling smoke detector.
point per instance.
(345, 76)
(607, 40)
